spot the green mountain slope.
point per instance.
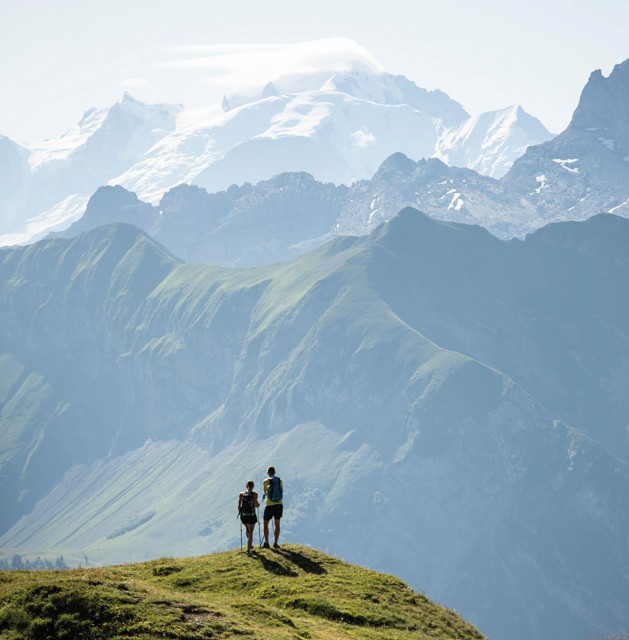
(550, 312)
(64, 306)
(294, 592)
(417, 389)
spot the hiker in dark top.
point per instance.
(247, 505)
(273, 492)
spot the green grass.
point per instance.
(295, 592)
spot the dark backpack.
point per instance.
(274, 490)
(246, 504)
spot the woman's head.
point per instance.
(249, 485)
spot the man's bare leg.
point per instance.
(277, 530)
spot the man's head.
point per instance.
(270, 472)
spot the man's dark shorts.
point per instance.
(273, 511)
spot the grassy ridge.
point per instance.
(295, 592)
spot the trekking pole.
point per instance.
(240, 534)
(259, 534)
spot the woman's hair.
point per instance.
(249, 484)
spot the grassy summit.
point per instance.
(295, 592)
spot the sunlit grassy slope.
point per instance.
(294, 592)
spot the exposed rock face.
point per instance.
(115, 204)
(585, 169)
(581, 172)
(418, 389)
(273, 221)
(602, 101)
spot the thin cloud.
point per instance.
(249, 65)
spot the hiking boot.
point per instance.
(266, 545)
(276, 546)
(248, 552)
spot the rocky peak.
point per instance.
(604, 101)
(113, 204)
(396, 163)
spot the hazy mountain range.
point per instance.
(571, 177)
(339, 127)
(442, 405)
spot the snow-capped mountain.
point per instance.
(277, 219)
(119, 135)
(362, 82)
(338, 132)
(51, 181)
(491, 142)
(581, 172)
(337, 123)
(14, 177)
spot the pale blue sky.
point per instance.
(60, 57)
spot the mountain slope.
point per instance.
(55, 178)
(273, 221)
(293, 592)
(580, 173)
(491, 142)
(48, 399)
(585, 169)
(548, 183)
(14, 178)
(519, 317)
(382, 378)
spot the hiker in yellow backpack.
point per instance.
(273, 492)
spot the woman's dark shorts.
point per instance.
(249, 519)
(273, 511)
